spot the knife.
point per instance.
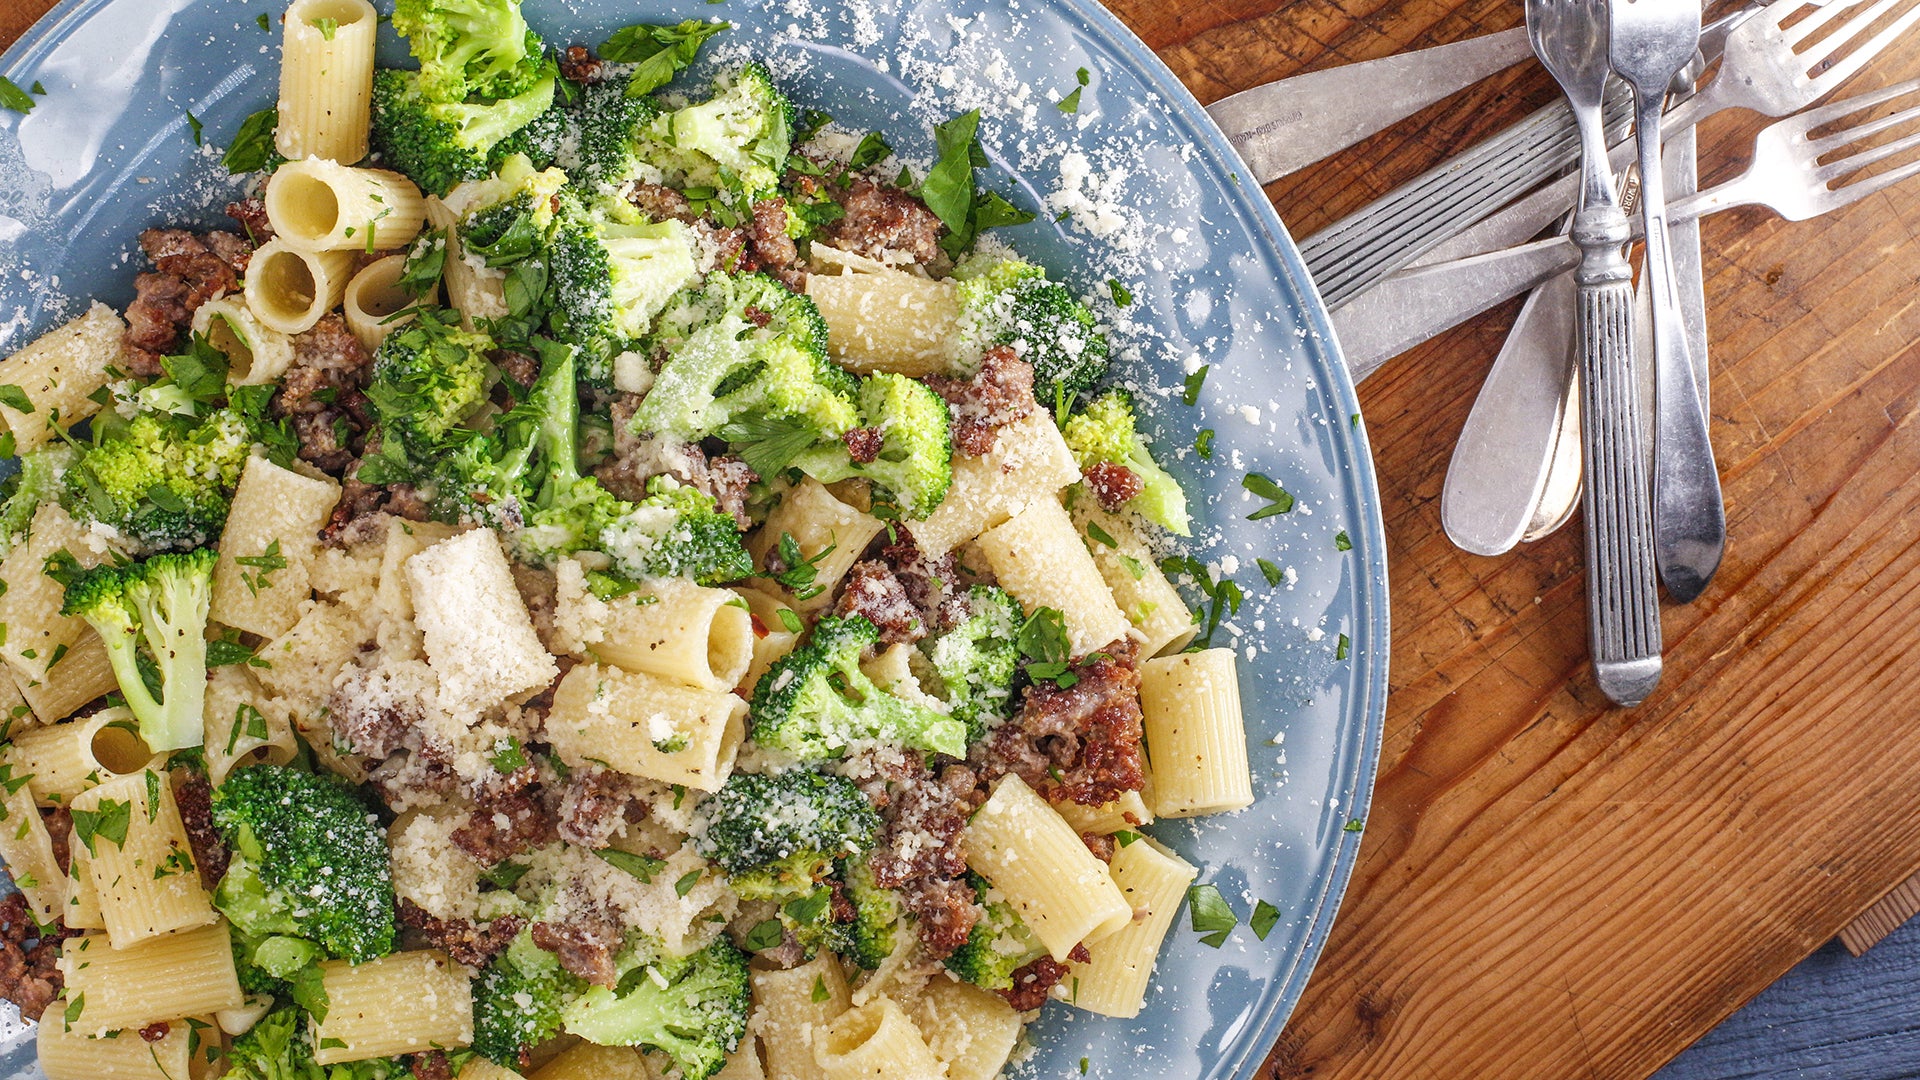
(1293, 122)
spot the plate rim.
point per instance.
(1372, 614)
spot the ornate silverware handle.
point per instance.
(1623, 604)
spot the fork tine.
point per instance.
(1835, 110)
(1827, 144)
(1860, 56)
(1855, 192)
(1849, 165)
(1821, 15)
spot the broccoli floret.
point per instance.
(265, 962)
(877, 914)
(693, 1009)
(736, 142)
(999, 945)
(506, 216)
(915, 466)
(676, 531)
(542, 141)
(518, 1000)
(36, 481)
(747, 361)
(1104, 432)
(815, 700)
(163, 481)
(162, 604)
(310, 860)
(429, 376)
(439, 143)
(609, 277)
(976, 661)
(1008, 301)
(613, 132)
(777, 834)
(471, 49)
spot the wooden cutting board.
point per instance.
(1549, 887)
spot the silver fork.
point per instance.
(1786, 176)
(1623, 607)
(1650, 42)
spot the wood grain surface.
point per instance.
(1549, 887)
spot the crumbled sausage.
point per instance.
(638, 458)
(932, 582)
(1078, 743)
(584, 945)
(194, 796)
(504, 825)
(997, 394)
(882, 221)
(29, 977)
(864, 444)
(321, 393)
(155, 1032)
(773, 249)
(470, 943)
(593, 805)
(59, 822)
(661, 203)
(578, 64)
(252, 216)
(921, 855)
(1113, 483)
(872, 592)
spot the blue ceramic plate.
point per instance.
(1136, 187)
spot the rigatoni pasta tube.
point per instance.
(39, 638)
(69, 1055)
(256, 353)
(59, 372)
(326, 80)
(141, 862)
(243, 726)
(28, 852)
(1039, 558)
(669, 627)
(375, 305)
(880, 318)
(288, 290)
(67, 758)
(831, 536)
(188, 973)
(83, 902)
(1133, 576)
(876, 1041)
(1128, 812)
(790, 1017)
(1196, 737)
(587, 1061)
(1154, 880)
(409, 1002)
(1029, 462)
(1029, 852)
(971, 1031)
(319, 205)
(644, 725)
(274, 525)
(478, 293)
(776, 630)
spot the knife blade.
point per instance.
(1293, 122)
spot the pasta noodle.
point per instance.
(1128, 812)
(256, 353)
(28, 852)
(480, 293)
(1196, 738)
(880, 318)
(188, 973)
(273, 525)
(243, 726)
(69, 1055)
(375, 305)
(970, 1030)
(59, 373)
(1040, 560)
(774, 633)
(1029, 463)
(669, 627)
(643, 725)
(318, 205)
(790, 1015)
(586, 1061)
(38, 637)
(875, 1042)
(1154, 880)
(62, 760)
(288, 290)
(1149, 601)
(83, 904)
(405, 1003)
(326, 80)
(144, 876)
(1021, 845)
(830, 533)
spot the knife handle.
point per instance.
(1623, 603)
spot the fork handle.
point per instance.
(1623, 603)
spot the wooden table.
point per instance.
(1550, 887)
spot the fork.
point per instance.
(1623, 607)
(1786, 176)
(1650, 42)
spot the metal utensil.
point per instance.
(1785, 176)
(1623, 607)
(1290, 123)
(1649, 43)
